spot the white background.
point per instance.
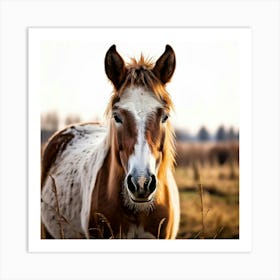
(43, 88)
(262, 262)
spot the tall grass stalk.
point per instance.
(105, 220)
(200, 188)
(159, 227)
(54, 189)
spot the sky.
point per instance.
(205, 88)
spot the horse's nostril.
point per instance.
(146, 185)
(130, 184)
(153, 184)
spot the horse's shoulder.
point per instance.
(60, 140)
(55, 145)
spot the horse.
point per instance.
(116, 181)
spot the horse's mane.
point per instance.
(140, 74)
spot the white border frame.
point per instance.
(243, 37)
(17, 263)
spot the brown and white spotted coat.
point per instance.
(116, 181)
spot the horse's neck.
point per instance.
(115, 175)
(111, 174)
(106, 197)
(115, 172)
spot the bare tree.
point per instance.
(221, 134)
(203, 134)
(72, 119)
(49, 121)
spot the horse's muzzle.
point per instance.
(141, 188)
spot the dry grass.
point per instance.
(59, 219)
(200, 190)
(210, 205)
(159, 227)
(102, 220)
(207, 176)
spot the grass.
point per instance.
(57, 207)
(210, 202)
(200, 190)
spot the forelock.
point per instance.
(140, 75)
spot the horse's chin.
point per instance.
(141, 200)
(138, 204)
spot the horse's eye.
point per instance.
(164, 118)
(117, 118)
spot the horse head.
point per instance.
(141, 134)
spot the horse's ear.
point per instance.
(115, 67)
(165, 65)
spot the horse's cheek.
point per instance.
(118, 140)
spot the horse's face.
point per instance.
(139, 119)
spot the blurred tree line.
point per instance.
(51, 121)
(203, 134)
(222, 134)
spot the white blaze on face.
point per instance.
(142, 159)
(141, 103)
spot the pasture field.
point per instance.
(220, 188)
